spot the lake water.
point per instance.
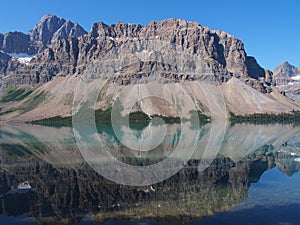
(232, 174)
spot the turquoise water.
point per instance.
(275, 199)
(252, 177)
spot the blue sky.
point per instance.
(270, 29)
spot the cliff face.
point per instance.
(217, 54)
(4, 59)
(285, 73)
(287, 78)
(172, 51)
(48, 30)
(17, 42)
(51, 28)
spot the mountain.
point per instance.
(4, 59)
(287, 80)
(51, 28)
(286, 73)
(219, 53)
(16, 42)
(174, 52)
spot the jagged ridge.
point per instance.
(218, 52)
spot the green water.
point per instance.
(241, 174)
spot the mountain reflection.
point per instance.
(66, 187)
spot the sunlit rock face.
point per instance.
(210, 65)
(64, 48)
(287, 79)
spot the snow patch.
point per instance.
(25, 60)
(22, 57)
(297, 159)
(296, 77)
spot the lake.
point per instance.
(220, 174)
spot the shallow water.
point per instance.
(241, 174)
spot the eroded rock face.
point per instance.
(203, 53)
(1, 39)
(16, 42)
(287, 79)
(286, 68)
(4, 59)
(284, 73)
(51, 28)
(48, 30)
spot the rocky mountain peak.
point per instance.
(286, 68)
(51, 28)
(213, 54)
(216, 46)
(287, 78)
(16, 42)
(4, 59)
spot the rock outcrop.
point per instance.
(48, 30)
(285, 73)
(51, 28)
(4, 59)
(17, 42)
(173, 51)
(203, 53)
(287, 79)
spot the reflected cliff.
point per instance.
(67, 187)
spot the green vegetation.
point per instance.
(103, 117)
(33, 102)
(56, 121)
(168, 119)
(15, 94)
(25, 146)
(6, 112)
(11, 150)
(266, 118)
(138, 120)
(18, 94)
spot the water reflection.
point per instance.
(67, 189)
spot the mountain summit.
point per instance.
(219, 54)
(48, 30)
(51, 28)
(173, 52)
(285, 73)
(287, 78)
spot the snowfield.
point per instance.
(22, 57)
(296, 77)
